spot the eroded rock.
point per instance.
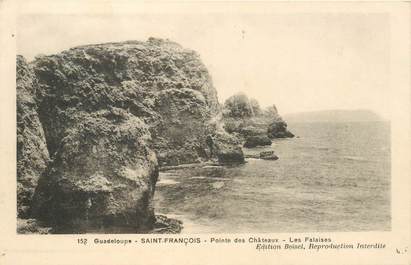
(32, 153)
(258, 140)
(225, 147)
(103, 112)
(233, 155)
(32, 226)
(104, 173)
(268, 155)
(165, 225)
(244, 117)
(279, 130)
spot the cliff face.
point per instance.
(108, 111)
(32, 153)
(95, 123)
(165, 85)
(244, 117)
(103, 173)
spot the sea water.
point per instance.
(331, 177)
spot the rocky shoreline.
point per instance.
(162, 225)
(96, 123)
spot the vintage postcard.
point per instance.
(205, 132)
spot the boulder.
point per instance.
(259, 140)
(103, 174)
(165, 225)
(278, 130)
(233, 155)
(225, 147)
(268, 155)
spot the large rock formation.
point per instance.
(225, 147)
(103, 173)
(107, 110)
(278, 129)
(32, 153)
(95, 122)
(258, 140)
(167, 86)
(244, 117)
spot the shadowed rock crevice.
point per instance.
(32, 153)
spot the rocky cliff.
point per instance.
(32, 153)
(244, 118)
(168, 87)
(94, 122)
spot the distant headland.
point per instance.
(336, 115)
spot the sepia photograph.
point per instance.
(203, 123)
(205, 132)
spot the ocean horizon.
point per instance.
(330, 177)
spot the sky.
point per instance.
(299, 62)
